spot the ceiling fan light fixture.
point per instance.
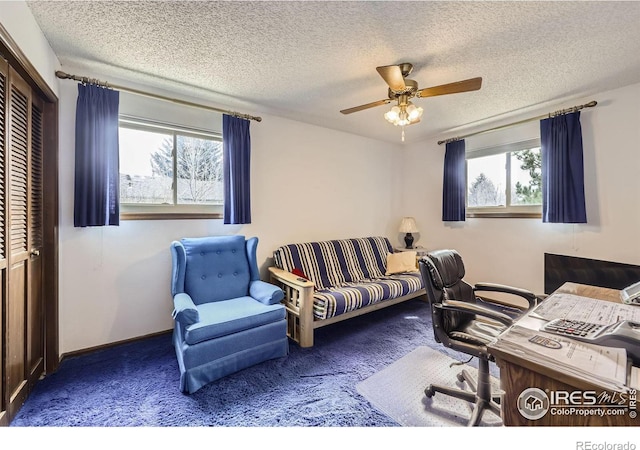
(403, 115)
(401, 89)
(393, 115)
(414, 112)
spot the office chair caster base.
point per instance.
(465, 376)
(429, 391)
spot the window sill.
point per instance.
(167, 216)
(504, 215)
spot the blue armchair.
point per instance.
(225, 318)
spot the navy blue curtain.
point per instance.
(454, 182)
(97, 196)
(562, 170)
(236, 154)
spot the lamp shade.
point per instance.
(408, 225)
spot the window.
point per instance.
(505, 181)
(169, 171)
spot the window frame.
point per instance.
(509, 210)
(136, 211)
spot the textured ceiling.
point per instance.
(308, 60)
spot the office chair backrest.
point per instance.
(446, 273)
(442, 272)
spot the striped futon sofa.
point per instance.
(329, 281)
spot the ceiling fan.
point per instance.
(401, 89)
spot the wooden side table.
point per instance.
(420, 251)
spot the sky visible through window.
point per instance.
(148, 161)
(139, 146)
(487, 179)
(492, 166)
(494, 169)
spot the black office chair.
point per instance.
(465, 322)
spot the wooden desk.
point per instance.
(517, 373)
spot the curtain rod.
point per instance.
(591, 104)
(63, 75)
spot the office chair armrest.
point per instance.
(529, 296)
(456, 305)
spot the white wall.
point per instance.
(17, 19)
(512, 251)
(308, 183)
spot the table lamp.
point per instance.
(408, 225)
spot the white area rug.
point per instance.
(398, 391)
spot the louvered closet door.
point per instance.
(19, 304)
(23, 121)
(4, 73)
(35, 307)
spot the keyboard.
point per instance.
(578, 329)
(624, 334)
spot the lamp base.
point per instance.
(408, 240)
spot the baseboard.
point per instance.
(86, 351)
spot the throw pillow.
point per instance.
(299, 273)
(401, 262)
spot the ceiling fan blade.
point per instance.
(367, 106)
(393, 77)
(472, 84)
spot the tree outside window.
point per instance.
(199, 169)
(531, 164)
(168, 170)
(505, 180)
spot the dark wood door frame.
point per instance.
(18, 60)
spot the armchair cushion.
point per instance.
(266, 293)
(184, 310)
(227, 317)
(217, 268)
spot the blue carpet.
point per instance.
(137, 384)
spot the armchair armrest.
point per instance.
(266, 293)
(456, 305)
(184, 310)
(529, 296)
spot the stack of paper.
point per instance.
(603, 366)
(575, 307)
